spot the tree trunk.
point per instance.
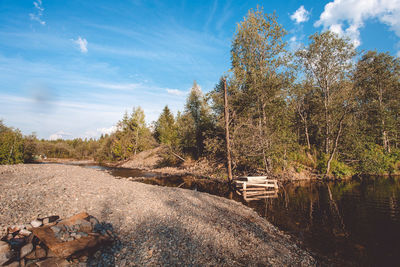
(328, 164)
(137, 140)
(326, 127)
(304, 119)
(307, 136)
(227, 139)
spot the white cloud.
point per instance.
(109, 130)
(175, 92)
(113, 86)
(300, 15)
(60, 135)
(100, 131)
(37, 16)
(347, 17)
(294, 43)
(82, 42)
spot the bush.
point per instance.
(338, 168)
(375, 160)
(11, 145)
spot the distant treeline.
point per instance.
(324, 107)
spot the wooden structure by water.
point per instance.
(256, 187)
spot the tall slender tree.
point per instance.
(259, 65)
(377, 80)
(327, 61)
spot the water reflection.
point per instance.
(353, 222)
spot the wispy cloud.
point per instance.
(82, 42)
(300, 15)
(113, 86)
(60, 135)
(211, 14)
(99, 131)
(226, 14)
(347, 17)
(294, 43)
(175, 92)
(37, 16)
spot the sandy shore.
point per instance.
(156, 225)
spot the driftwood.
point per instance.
(53, 242)
(66, 249)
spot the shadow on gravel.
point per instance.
(214, 235)
(105, 256)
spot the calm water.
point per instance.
(353, 222)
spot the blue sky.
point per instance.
(72, 68)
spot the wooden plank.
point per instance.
(259, 198)
(261, 194)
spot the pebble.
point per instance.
(190, 228)
(36, 223)
(55, 229)
(25, 232)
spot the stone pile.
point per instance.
(53, 242)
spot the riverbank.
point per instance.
(152, 161)
(156, 225)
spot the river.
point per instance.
(355, 222)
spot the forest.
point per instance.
(326, 108)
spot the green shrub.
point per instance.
(338, 168)
(375, 160)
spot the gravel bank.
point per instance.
(156, 225)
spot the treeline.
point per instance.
(14, 147)
(324, 107)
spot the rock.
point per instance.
(85, 226)
(50, 219)
(82, 234)
(38, 253)
(25, 232)
(25, 250)
(36, 223)
(31, 264)
(4, 246)
(51, 262)
(13, 229)
(13, 264)
(17, 242)
(55, 229)
(51, 254)
(93, 221)
(5, 256)
(66, 249)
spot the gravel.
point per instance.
(155, 225)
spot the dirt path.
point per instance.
(156, 225)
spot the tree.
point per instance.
(165, 129)
(377, 80)
(198, 111)
(261, 75)
(132, 135)
(327, 62)
(300, 95)
(12, 146)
